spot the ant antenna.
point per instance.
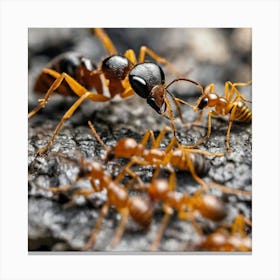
(178, 99)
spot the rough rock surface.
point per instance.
(213, 56)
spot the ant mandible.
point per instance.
(72, 74)
(232, 104)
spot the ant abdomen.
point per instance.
(140, 210)
(117, 195)
(243, 112)
(200, 164)
(73, 64)
(210, 207)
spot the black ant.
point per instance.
(72, 74)
(232, 104)
(181, 157)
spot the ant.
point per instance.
(181, 157)
(73, 74)
(232, 104)
(187, 207)
(137, 207)
(235, 239)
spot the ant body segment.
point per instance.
(72, 74)
(232, 104)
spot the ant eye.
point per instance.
(203, 103)
(139, 85)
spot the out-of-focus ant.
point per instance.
(235, 239)
(73, 74)
(174, 154)
(136, 207)
(117, 195)
(232, 104)
(188, 207)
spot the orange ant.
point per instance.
(72, 74)
(136, 207)
(187, 207)
(232, 103)
(180, 157)
(234, 240)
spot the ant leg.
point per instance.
(201, 152)
(172, 143)
(96, 136)
(66, 116)
(146, 51)
(172, 180)
(197, 121)
(130, 55)
(231, 119)
(97, 227)
(146, 137)
(229, 190)
(43, 101)
(171, 118)
(186, 216)
(131, 173)
(194, 175)
(120, 230)
(229, 94)
(127, 93)
(209, 88)
(239, 225)
(105, 40)
(73, 84)
(155, 142)
(134, 160)
(168, 212)
(160, 136)
(208, 132)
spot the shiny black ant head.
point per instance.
(116, 67)
(146, 79)
(203, 103)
